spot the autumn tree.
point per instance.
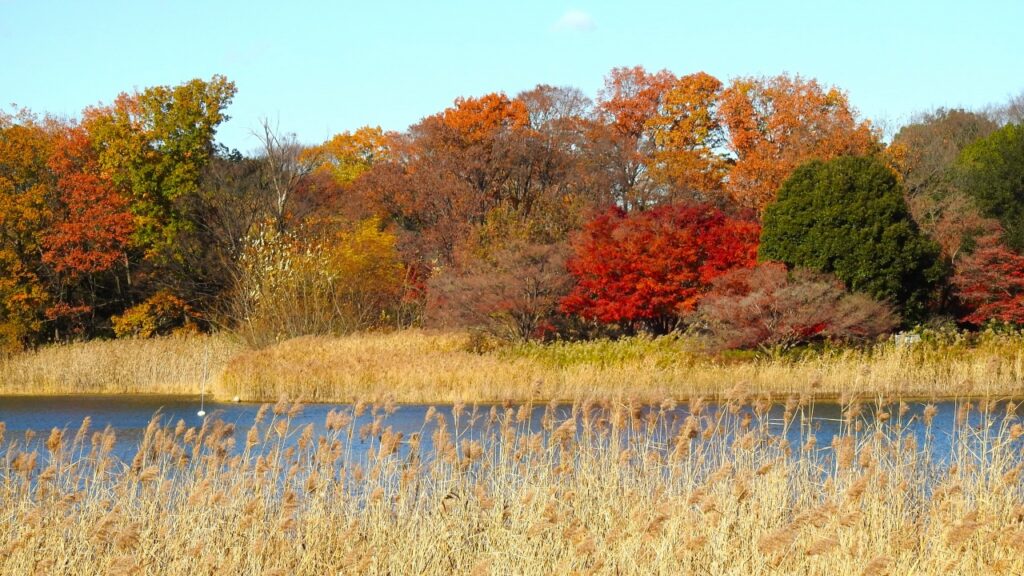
(771, 308)
(455, 168)
(991, 172)
(848, 217)
(630, 98)
(85, 246)
(644, 270)
(154, 145)
(777, 123)
(24, 186)
(348, 154)
(514, 293)
(923, 155)
(923, 151)
(990, 283)
(689, 138)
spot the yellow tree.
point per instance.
(689, 137)
(347, 155)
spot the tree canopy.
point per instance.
(848, 217)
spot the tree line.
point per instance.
(762, 212)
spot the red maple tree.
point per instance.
(990, 283)
(94, 225)
(649, 268)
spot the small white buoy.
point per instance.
(201, 413)
(236, 399)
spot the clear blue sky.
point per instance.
(318, 68)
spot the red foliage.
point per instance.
(652, 266)
(770, 307)
(990, 283)
(93, 224)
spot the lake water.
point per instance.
(129, 416)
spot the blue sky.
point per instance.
(317, 68)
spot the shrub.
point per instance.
(160, 315)
(514, 295)
(769, 307)
(990, 284)
(648, 268)
(848, 217)
(333, 282)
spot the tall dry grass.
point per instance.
(420, 367)
(596, 492)
(170, 365)
(413, 366)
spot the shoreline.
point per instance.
(418, 367)
(829, 399)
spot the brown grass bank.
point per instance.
(422, 367)
(419, 367)
(173, 365)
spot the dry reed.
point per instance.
(608, 488)
(419, 367)
(414, 366)
(171, 365)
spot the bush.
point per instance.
(645, 270)
(513, 295)
(160, 315)
(769, 307)
(336, 282)
(848, 217)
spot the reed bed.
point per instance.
(414, 366)
(605, 488)
(170, 365)
(420, 367)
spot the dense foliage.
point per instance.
(132, 220)
(990, 283)
(992, 173)
(771, 307)
(848, 217)
(650, 268)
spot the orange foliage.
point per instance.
(628, 101)
(347, 155)
(94, 227)
(689, 136)
(777, 123)
(631, 96)
(477, 120)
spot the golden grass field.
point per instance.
(590, 493)
(415, 366)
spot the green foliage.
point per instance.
(991, 171)
(155, 145)
(848, 217)
(659, 351)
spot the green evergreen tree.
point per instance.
(848, 217)
(991, 170)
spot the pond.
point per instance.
(128, 416)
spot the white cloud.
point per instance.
(575, 20)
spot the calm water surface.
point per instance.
(129, 415)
